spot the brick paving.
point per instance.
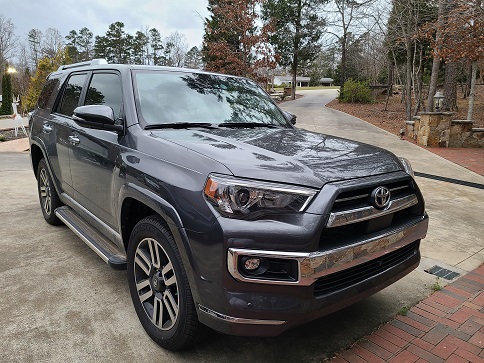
(448, 326)
(472, 159)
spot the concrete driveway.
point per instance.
(60, 303)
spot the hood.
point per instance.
(293, 156)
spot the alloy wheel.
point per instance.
(156, 283)
(45, 194)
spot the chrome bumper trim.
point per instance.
(342, 218)
(313, 265)
(232, 319)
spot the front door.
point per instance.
(94, 157)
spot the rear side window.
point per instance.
(72, 94)
(46, 93)
(105, 89)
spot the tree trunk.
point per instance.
(468, 82)
(296, 51)
(434, 77)
(408, 85)
(433, 83)
(450, 87)
(294, 71)
(472, 91)
(343, 65)
(418, 80)
(390, 84)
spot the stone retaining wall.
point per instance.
(436, 129)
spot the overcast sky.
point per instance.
(184, 16)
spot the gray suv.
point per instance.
(223, 212)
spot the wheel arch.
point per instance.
(36, 155)
(137, 203)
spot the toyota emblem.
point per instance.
(380, 197)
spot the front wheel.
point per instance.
(49, 200)
(159, 286)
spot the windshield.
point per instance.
(168, 98)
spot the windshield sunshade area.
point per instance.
(175, 98)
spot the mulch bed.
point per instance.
(8, 135)
(393, 118)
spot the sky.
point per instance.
(184, 16)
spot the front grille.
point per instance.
(358, 198)
(351, 200)
(354, 275)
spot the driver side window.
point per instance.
(72, 94)
(105, 89)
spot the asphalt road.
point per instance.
(59, 302)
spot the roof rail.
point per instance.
(93, 62)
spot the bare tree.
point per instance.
(52, 43)
(178, 49)
(405, 19)
(34, 39)
(8, 40)
(346, 18)
(436, 58)
(461, 37)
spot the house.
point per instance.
(287, 80)
(326, 81)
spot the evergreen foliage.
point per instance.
(356, 92)
(298, 28)
(45, 67)
(7, 97)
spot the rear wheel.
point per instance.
(159, 286)
(49, 200)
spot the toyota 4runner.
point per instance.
(223, 212)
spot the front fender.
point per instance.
(169, 214)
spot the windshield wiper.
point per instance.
(180, 125)
(247, 124)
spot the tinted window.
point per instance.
(72, 93)
(105, 89)
(187, 97)
(46, 93)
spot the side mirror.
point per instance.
(100, 117)
(290, 117)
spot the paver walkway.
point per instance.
(448, 326)
(472, 159)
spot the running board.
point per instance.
(103, 247)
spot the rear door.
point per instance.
(60, 125)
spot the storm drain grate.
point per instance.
(442, 272)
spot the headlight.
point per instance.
(239, 198)
(407, 167)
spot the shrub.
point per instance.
(356, 92)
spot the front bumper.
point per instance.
(269, 307)
(313, 265)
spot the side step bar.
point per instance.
(104, 248)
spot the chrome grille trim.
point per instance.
(232, 319)
(313, 265)
(350, 216)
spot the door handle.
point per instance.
(46, 128)
(74, 140)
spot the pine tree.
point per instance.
(233, 42)
(7, 97)
(298, 30)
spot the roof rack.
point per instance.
(93, 62)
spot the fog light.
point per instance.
(252, 263)
(253, 266)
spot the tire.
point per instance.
(49, 200)
(159, 286)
